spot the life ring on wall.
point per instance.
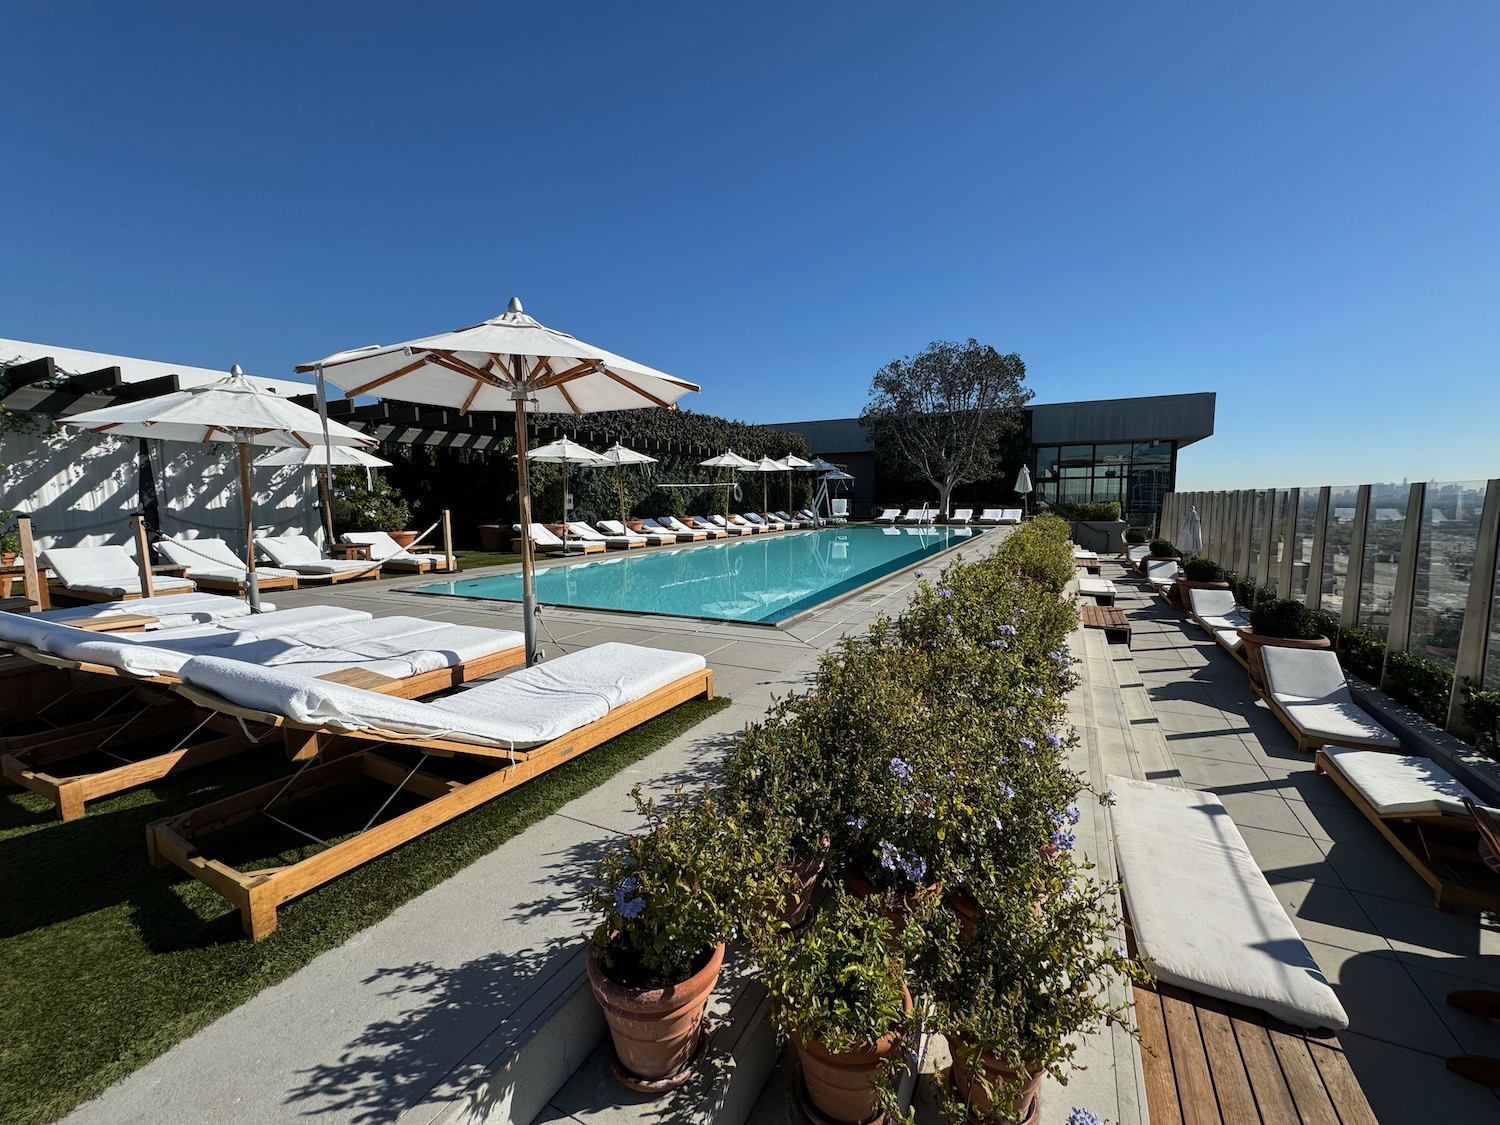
(738, 496)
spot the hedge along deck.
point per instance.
(32, 765)
(258, 894)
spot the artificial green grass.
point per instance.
(105, 961)
(471, 560)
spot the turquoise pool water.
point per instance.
(764, 579)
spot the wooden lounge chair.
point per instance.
(687, 536)
(577, 529)
(1161, 576)
(1484, 1069)
(961, 516)
(1306, 690)
(715, 531)
(504, 732)
(672, 523)
(740, 528)
(1010, 515)
(763, 522)
(924, 514)
(212, 565)
(736, 520)
(1136, 553)
(546, 542)
(381, 548)
(988, 515)
(406, 656)
(1419, 808)
(300, 554)
(646, 539)
(1217, 611)
(109, 573)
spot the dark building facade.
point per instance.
(1121, 449)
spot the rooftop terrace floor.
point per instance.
(398, 1024)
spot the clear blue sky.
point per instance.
(1295, 205)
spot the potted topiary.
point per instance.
(668, 898)
(837, 993)
(1284, 623)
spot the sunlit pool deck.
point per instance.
(465, 1004)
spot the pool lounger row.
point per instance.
(399, 656)
(522, 725)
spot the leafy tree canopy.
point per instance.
(946, 413)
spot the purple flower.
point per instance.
(1083, 1117)
(1056, 657)
(1028, 745)
(855, 821)
(1063, 840)
(997, 644)
(631, 908)
(1073, 814)
(901, 768)
(1006, 630)
(889, 856)
(999, 825)
(1006, 791)
(945, 593)
(1052, 740)
(626, 906)
(914, 868)
(921, 573)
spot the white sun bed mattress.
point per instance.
(1402, 784)
(170, 611)
(1308, 685)
(526, 708)
(1203, 913)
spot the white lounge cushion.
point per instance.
(385, 549)
(1162, 574)
(170, 611)
(1211, 603)
(1230, 639)
(1402, 784)
(109, 570)
(290, 550)
(1010, 515)
(990, 515)
(1308, 685)
(527, 708)
(1136, 552)
(1096, 588)
(1203, 913)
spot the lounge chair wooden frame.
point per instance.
(1422, 839)
(258, 894)
(236, 586)
(78, 594)
(31, 765)
(1312, 743)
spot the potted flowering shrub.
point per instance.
(837, 992)
(668, 897)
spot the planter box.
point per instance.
(494, 537)
(1100, 536)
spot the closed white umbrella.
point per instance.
(734, 463)
(564, 452)
(1190, 533)
(618, 456)
(232, 410)
(1023, 483)
(509, 363)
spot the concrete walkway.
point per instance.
(1185, 714)
(399, 1023)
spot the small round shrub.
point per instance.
(1163, 549)
(1133, 536)
(1200, 569)
(1283, 617)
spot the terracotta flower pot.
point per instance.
(1025, 1110)
(805, 874)
(892, 905)
(839, 1086)
(404, 539)
(1254, 642)
(655, 1030)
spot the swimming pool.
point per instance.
(764, 579)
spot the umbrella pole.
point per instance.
(523, 480)
(620, 488)
(327, 503)
(252, 584)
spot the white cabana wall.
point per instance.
(81, 489)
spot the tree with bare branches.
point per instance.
(945, 413)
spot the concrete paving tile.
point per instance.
(1288, 855)
(1385, 1003)
(1476, 1035)
(1208, 773)
(1263, 810)
(1328, 914)
(1337, 823)
(1429, 932)
(1406, 1085)
(1379, 871)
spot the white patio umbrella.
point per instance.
(322, 459)
(791, 463)
(1190, 533)
(618, 456)
(232, 410)
(763, 466)
(734, 463)
(565, 452)
(508, 363)
(1023, 483)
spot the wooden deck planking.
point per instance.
(1207, 1062)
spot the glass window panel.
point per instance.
(1445, 555)
(1492, 645)
(1383, 533)
(1338, 535)
(1145, 487)
(1153, 451)
(1076, 455)
(1046, 462)
(1109, 488)
(1302, 547)
(1278, 536)
(1257, 571)
(1075, 490)
(1116, 456)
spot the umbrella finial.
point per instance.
(235, 371)
(515, 305)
